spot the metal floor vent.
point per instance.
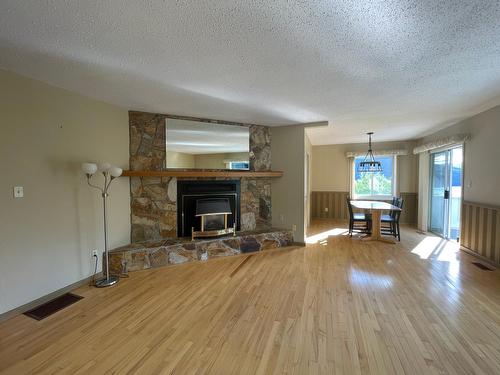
(482, 266)
(53, 306)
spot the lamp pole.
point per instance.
(110, 173)
(104, 200)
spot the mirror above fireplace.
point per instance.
(206, 145)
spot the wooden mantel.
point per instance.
(203, 173)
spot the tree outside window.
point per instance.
(376, 185)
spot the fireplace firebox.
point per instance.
(207, 208)
(213, 213)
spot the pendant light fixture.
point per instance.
(369, 164)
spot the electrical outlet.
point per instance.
(18, 192)
(326, 209)
(282, 218)
(95, 253)
(294, 227)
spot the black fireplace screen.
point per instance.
(213, 206)
(200, 197)
(214, 211)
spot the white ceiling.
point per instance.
(398, 68)
(192, 137)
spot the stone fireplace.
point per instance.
(160, 235)
(214, 199)
(153, 200)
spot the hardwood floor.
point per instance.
(338, 306)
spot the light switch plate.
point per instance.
(18, 192)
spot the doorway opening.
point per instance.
(446, 171)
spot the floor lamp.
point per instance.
(110, 173)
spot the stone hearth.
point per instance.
(157, 253)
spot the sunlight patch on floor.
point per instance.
(437, 248)
(323, 236)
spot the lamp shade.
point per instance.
(104, 166)
(115, 171)
(89, 168)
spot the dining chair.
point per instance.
(358, 221)
(393, 220)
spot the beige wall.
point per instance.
(482, 153)
(203, 161)
(180, 160)
(308, 177)
(217, 161)
(287, 192)
(288, 149)
(46, 238)
(330, 167)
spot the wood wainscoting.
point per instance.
(480, 232)
(335, 202)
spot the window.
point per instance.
(379, 185)
(238, 165)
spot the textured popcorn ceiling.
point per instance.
(399, 68)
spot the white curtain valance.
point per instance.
(377, 153)
(447, 141)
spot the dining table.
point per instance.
(376, 208)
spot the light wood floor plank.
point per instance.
(337, 306)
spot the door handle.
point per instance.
(446, 194)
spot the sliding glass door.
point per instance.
(437, 192)
(455, 201)
(446, 192)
